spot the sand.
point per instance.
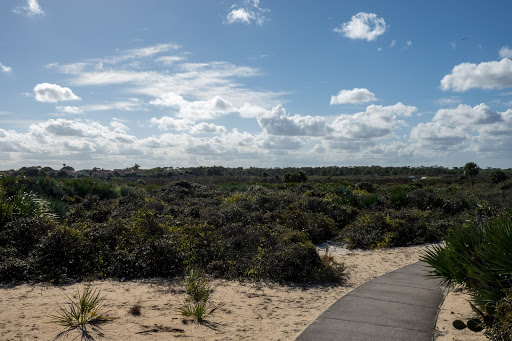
(456, 307)
(251, 311)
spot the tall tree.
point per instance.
(471, 169)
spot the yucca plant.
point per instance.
(86, 311)
(198, 304)
(21, 205)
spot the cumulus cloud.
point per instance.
(4, 68)
(207, 128)
(375, 122)
(195, 110)
(278, 122)
(363, 25)
(486, 75)
(506, 52)
(356, 95)
(465, 115)
(252, 111)
(171, 123)
(478, 129)
(249, 12)
(30, 9)
(282, 142)
(436, 135)
(53, 93)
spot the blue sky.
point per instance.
(255, 83)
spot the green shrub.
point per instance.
(477, 258)
(501, 329)
(394, 228)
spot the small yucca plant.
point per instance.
(85, 311)
(198, 304)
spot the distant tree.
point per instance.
(471, 169)
(136, 166)
(498, 176)
(299, 176)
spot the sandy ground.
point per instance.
(251, 311)
(456, 307)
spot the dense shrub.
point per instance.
(501, 328)
(393, 228)
(477, 257)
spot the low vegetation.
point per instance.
(198, 303)
(478, 257)
(84, 314)
(226, 222)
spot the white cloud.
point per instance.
(465, 115)
(52, 93)
(252, 111)
(356, 95)
(280, 142)
(30, 9)
(249, 12)
(363, 26)
(131, 105)
(277, 122)
(375, 122)
(486, 75)
(449, 100)
(191, 80)
(240, 15)
(409, 43)
(171, 123)
(196, 110)
(168, 60)
(393, 43)
(506, 52)
(478, 129)
(207, 128)
(436, 135)
(5, 68)
(143, 52)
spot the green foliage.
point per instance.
(84, 312)
(393, 228)
(297, 177)
(501, 329)
(479, 259)
(471, 170)
(198, 303)
(226, 225)
(398, 196)
(498, 176)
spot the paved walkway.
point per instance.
(400, 305)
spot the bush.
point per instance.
(478, 258)
(374, 230)
(498, 176)
(501, 329)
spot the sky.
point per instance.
(255, 83)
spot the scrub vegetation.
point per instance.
(259, 224)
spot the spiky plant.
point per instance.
(84, 312)
(198, 304)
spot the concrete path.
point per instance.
(400, 305)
